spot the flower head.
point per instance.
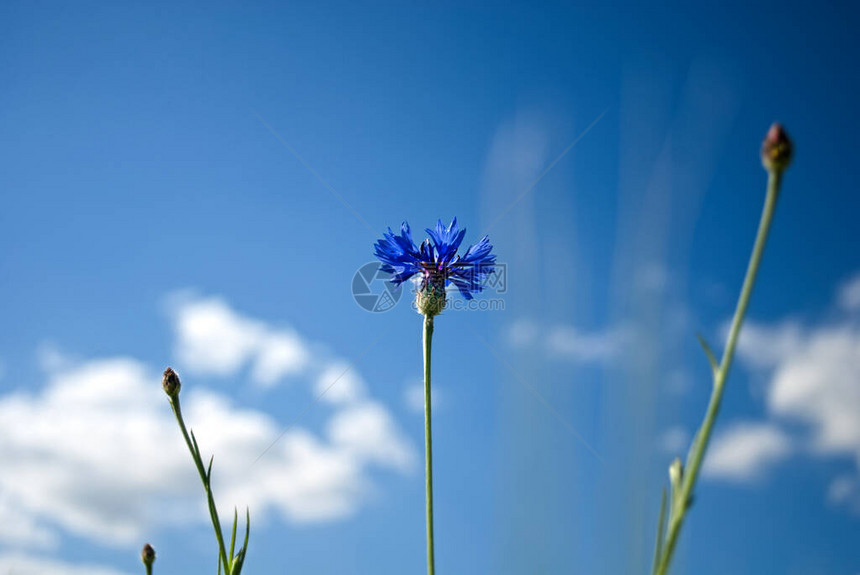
(436, 260)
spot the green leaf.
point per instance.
(233, 536)
(247, 528)
(194, 442)
(238, 561)
(711, 357)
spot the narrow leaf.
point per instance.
(711, 358)
(238, 561)
(194, 441)
(661, 532)
(233, 536)
(247, 528)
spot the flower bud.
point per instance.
(430, 300)
(170, 382)
(147, 555)
(776, 149)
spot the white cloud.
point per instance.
(97, 453)
(66, 450)
(413, 396)
(20, 528)
(820, 386)
(849, 294)
(745, 452)
(571, 343)
(522, 333)
(279, 354)
(367, 429)
(814, 380)
(338, 383)
(20, 564)
(568, 342)
(675, 440)
(214, 339)
(764, 347)
(843, 491)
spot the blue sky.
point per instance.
(195, 185)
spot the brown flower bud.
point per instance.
(776, 149)
(170, 382)
(147, 555)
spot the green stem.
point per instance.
(148, 569)
(428, 442)
(204, 477)
(681, 501)
(773, 183)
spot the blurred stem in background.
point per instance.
(232, 564)
(775, 154)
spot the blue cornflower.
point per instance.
(436, 259)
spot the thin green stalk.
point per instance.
(428, 441)
(661, 532)
(148, 568)
(204, 477)
(682, 498)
